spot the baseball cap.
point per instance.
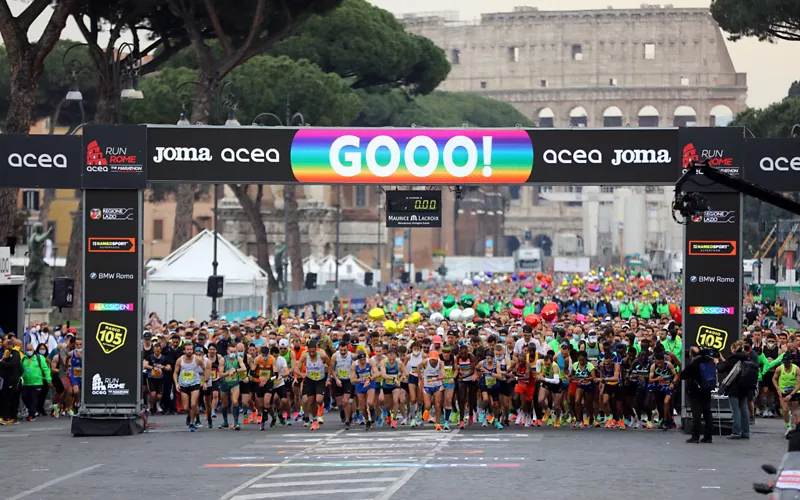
(147, 335)
(283, 343)
(433, 355)
(437, 339)
(361, 355)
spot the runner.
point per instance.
(76, 374)
(663, 375)
(211, 394)
(549, 376)
(584, 375)
(431, 371)
(191, 374)
(233, 371)
(266, 371)
(787, 382)
(314, 362)
(467, 386)
(490, 374)
(391, 373)
(414, 391)
(361, 376)
(449, 383)
(341, 362)
(157, 367)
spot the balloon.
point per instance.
(489, 274)
(522, 276)
(376, 314)
(401, 326)
(515, 312)
(508, 279)
(456, 315)
(646, 293)
(539, 276)
(415, 318)
(655, 295)
(641, 284)
(483, 310)
(677, 315)
(532, 320)
(573, 291)
(673, 308)
(528, 285)
(648, 281)
(633, 278)
(564, 283)
(621, 279)
(390, 326)
(581, 318)
(523, 291)
(518, 302)
(466, 282)
(549, 279)
(468, 314)
(475, 282)
(436, 318)
(538, 289)
(620, 295)
(545, 285)
(575, 281)
(449, 301)
(609, 289)
(514, 277)
(593, 272)
(580, 282)
(467, 301)
(549, 312)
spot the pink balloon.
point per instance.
(516, 312)
(573, 290)
(529, 285)
(581, 318)
(518, 302)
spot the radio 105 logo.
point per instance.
(412, 156)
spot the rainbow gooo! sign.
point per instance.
(412, 156)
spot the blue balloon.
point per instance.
(489, 274)
(514, 277)
(475, 282)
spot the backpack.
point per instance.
(748, 375)
(708, 376)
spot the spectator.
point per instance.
(43, 336)
(35, 374)
(699, 392)
(10, 372)
(738, 391)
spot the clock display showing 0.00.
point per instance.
(426, 205)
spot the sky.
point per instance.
(768, 67)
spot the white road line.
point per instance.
(298, 493)
(367, 470)
(325, 481)
(710, 487)
(261, 476)
(54, 481)
(10, 435)
(408, 474)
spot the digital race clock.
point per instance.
(413, 209)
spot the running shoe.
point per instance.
(393, 424)
(237, 427)
(426, 415)
(438, 427)
(54, 411)
(498, 425)
(648, 425)
(71, 413)
(481, 417)
(550, 420)
(611, 423)
(454, 417)
(369, 425)
(315, 426)
(621, 425)
(485, 424)
(188, 420)
(557, 422)
(471, 420)
(347, 426)
(528, 421)
(197, 422)
(586, 422)
(246, 417)
(320, 413)
(788, 430)
(490, 419)
(191, 428)
(546, 415)
(261, 426)
(447, 426)
(260, 419)
(461, 425)
(272, 423)
(403, 421)
(305, 423)
(521, 419)
(413, 422)
(575, 424)
(224, 425)
(596, 424)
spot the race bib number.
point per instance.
(77, 372)
(157, 373)
(187, 376)
(491, 381)
(390, 380)
(265, 373)
(315, 376)
(343, 373)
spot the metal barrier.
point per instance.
(353, 291)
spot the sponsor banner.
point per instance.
(40, 161)
(114, 157)
(612, 156)
(412, 156)
(721, 146)
(773, 163)
(220, 155)
(112, 297)
(413, 209)
(713, 275)
(489, 247)
(399, 245)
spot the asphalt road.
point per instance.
(46, 462)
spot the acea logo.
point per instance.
(412, 156)
(712, 310)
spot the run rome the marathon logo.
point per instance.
(228, 155)
(113, 160)
(716, 158)
(108, 386)
(619, 157)
(412, 156)
(712, 248)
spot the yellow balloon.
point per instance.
(415, 318)
(401, 326)
(390, 326)
(376, 314)
(564, 283)
(575, 281)
(619, 295)
(655, 294)
(621, 279)
(646, 293)
(593, 272)
(581, 282)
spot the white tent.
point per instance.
(177, 288)
(351, 269)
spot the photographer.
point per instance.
(700, 376)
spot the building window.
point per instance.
(577, 52)
(158, 229)
(612, 82)
(650, 51)
(513, 54)
(30, 198)
(543, 84)
(483, 85)
(361, 196)
(455, 56)
(684, 81)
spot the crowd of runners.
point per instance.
(599, 350)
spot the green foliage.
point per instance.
(775, 120)
(162, 100)
(765, 20)
(268, 84)
(368, 46)
(794, 90)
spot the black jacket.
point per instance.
(735, 389)
(690, 373)
(11, 369)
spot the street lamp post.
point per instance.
(338, 221)
(380, 270)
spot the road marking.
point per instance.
(326, 481)
(284, 494)
(54, 481)
(710, 487)
(407, 475)
(261, 476)
(708, 469)
(332, 472)
(10, 435)
(405, 465)
(337, 453)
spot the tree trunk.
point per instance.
(293, 248)
(253, 213)
(74, 267)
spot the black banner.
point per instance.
(722, 146)
(413, 209)
(220, 155)
(115, 156)
(112, 297)
(712, 312)
(40, 161)
(597, 156)
(773, 163)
